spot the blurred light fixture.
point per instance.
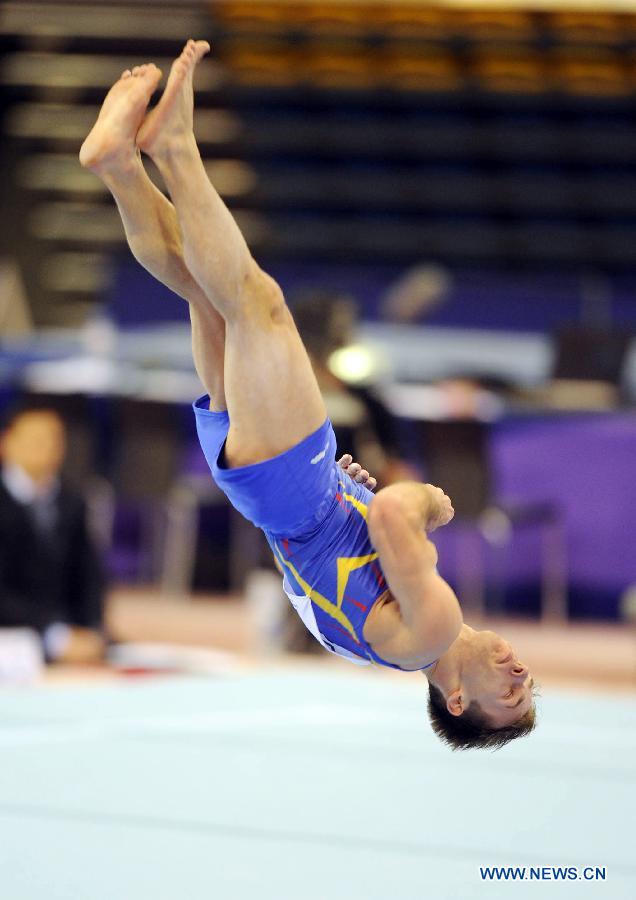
(355, 363)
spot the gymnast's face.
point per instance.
(493, 675)
(35, 441)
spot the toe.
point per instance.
(126, 74)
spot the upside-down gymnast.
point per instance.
(359, 569)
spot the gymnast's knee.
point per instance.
(262, 297)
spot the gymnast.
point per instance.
(359, 569)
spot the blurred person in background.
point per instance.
(360, 571)
(326, 323)
(51, 576)
(416, 294)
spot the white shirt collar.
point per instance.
(22, 487)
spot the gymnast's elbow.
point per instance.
(391, 532)
(387, 512)
(383, 510)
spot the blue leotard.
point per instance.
(314, 517)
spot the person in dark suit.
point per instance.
(51, 576)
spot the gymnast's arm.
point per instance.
(399, 518)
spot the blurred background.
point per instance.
(447, 195)
(446, 192)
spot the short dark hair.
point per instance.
(472, 730)
(16, 410)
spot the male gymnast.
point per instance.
(360, 569)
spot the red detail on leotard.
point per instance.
(379, 577)
(357, 603)
(347, 633)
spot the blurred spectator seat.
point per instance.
(354, 68)
(609, 194)
(253, 18)
(73, 73)
(508, 142)
(262, 68)
(590, 74)
(62, 23)
(86, 224)
(336, 19)
(431, 71)
(456, 458)
(536, 192)
(56, 126)
(74, 76)
(15, 314)
(496, 26)
(510, 72)
(592, 28)
(536, 241)
(413, 22)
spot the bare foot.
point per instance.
(172, 117)
(112, 138)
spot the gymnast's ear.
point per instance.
(455, 703)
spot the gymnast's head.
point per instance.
(480, 694)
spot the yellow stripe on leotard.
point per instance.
(363, 508)
(348, 564)
(322, 602)
(345, 565)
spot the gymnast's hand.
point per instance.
(354, 470)
(440, 510)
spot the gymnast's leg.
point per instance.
(272, 396)
(149, 219)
